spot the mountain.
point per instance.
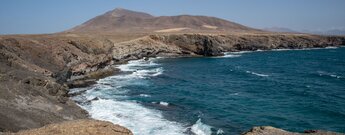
(327, 32)
(339, 31)
(123, 20)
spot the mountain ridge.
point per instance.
(122, 20)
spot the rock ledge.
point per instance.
(268, 130)
(78, 127)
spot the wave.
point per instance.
(328, 47)
(257, 74)
(133, 65)
(333, 75)
(237, 54)
(220, 132)
(140, 120)
(200, 128)
(146, 73)
(230, 56)
(331, 47)
(235, 94)
(164, 103)
(107, 100)
(113, 105)
(144, 95)
(241, 52)
(136, 69)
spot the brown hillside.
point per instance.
(122, 20)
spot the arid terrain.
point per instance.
(36, 71)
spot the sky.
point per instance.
(49, 16)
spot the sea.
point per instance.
(295, 90)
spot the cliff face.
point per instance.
(215, 45)
(37, 70)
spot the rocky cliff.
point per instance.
(36, 71)
(215, 45)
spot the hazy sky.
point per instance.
(47, 16)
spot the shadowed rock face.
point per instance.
(78, 127)
(37, 70)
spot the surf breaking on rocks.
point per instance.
(113, 104)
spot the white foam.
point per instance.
(147, 73)
(230, 56)
(282, 49)
(133, 65)
(331, 47)
(220, 132)
(113, 104)
(323, 73)
(164, 103)
(241, 52)
(145, 95)
(238, 54)
(139, 69)
(234, 94)
(134, 75)
(257, 74)
(335, 76)
(301, 49)
(140, 120)
(200, 128)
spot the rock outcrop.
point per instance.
(78, 127)
(215, 45)
(267, 130)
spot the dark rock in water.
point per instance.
(95, 99)
(310, 131)
(81, 83)
(87, 102)
(63, 76)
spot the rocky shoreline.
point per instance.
(37, 70)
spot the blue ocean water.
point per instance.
(294, 90)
